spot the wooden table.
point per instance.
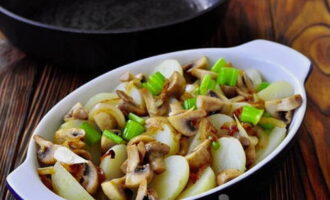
(28, 89)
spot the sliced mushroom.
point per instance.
(184, 146)
(229, 91)
(227, 175)
(155, 106)
(46, 150)
(200, 155)
(244, 83)
(212, 104)
(218, 94)
(128, 105)
(175, 108)
(282, 108)
(72, 138)
(200, 73)
(111, 110)
(201, 63)
(184, 122)
(141, 138)
(90, 179)
(76, 112)
(177, 85)
(133, 158)
(144, 193)
(134, 178)
(115, 189)
(250, 153)
(156, 152)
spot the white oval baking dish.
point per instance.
(273, 60)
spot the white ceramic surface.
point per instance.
(273, 60)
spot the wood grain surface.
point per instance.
(28, 89)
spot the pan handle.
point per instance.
(295, 62)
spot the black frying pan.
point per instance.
(105, 33)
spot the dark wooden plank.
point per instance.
(307, 29)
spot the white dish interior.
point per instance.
(274, 61)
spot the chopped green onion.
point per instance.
(91, 134)
(155, 83)
(136, 118)
(215, 145)
(218, 65)
(132, 129)
(112, 136)
(189, 103)
(251, 115)
(266, 126)
(227, 76)
(262, 86)
(207, 84)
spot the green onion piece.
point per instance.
(227, 76)
(91, 134)
(262, 86)
(112, 136)
(215, 145)
(251, 114)
(218, 65)
(132, 129)
(266, 126)
(136, 118)
(155, 83)
(189, 103)
(207, 84)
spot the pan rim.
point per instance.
(35, 23)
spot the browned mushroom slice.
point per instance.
(133, 158)
(211, 104)
(141, 138)
(76, 112)
(135, 177)
(177, 85)
(156, 152)
(144, 193)
(201, 63)
(227, 175)
(46, 150)
(184, 122)
(244, 83)
(72, 138)
(200, 155)
(128, 105)
(229, 91)
(115, 189)
(250, 153)
(282, 108)
(155, 107)
(217, 94)
(184, 146)
(175, 108)
(200, 73)
(90, 179)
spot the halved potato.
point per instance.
(111, 166)
(66, 186)
(230, 155)
(276, 90)
(167, 67)
(205, 182)
(98, 98)
(269, 141)
(172, 181)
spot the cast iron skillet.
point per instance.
(106, 33)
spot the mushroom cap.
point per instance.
(157, 106)
(127, 104)
(72, 137)
(76, 112)
(134, 178)
(212, 104)
(200, 155)
(183, 122)
(46, 150)
(90, 178)
(156, 152)
(177, 85)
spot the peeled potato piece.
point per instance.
(98, 98)
(167, 67)
(205, 182)
(219, 119)
(269, 142)
(230, 155)
(172, 181)
(66, 186)
(169, 136)
(111, 166)
(276, 90)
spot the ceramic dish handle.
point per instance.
(295, 62)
